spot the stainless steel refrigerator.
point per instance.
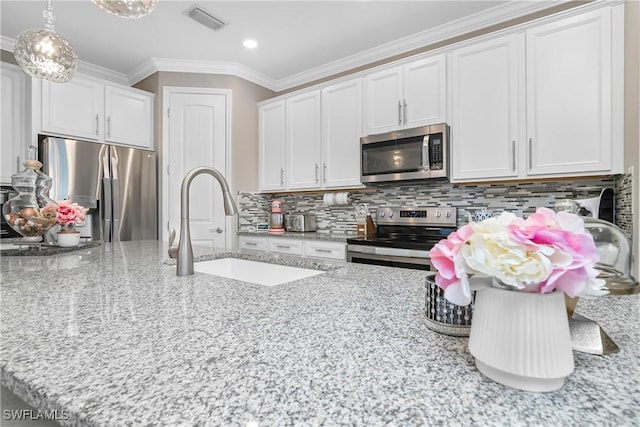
(116, 184)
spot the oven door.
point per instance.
(389, 257)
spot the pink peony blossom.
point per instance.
(543, 253)
(70, 213)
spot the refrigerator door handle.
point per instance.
(106, 195)
(106, 209)
(115, 197)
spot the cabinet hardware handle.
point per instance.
(324, 172)
(530, 153)
(250, 244)
(97, 124)
(317, 168)
(282, 177)
(399, 112)
(108, 126)
(404, 112)
(323, 250)
(283, 247)
(513, 154)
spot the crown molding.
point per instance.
(478, 21)
(196, 66)
(438, 34)
(7, 44)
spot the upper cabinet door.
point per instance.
(74, 108)
(304, 144)
(12, 144)
(341, 132)
(271, 122)
(484, 126)
(425, 96)
(569, 95)
(383, 101)
(128, 117)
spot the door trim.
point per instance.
(230, 222)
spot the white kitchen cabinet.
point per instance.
(271, 122)
(537, 104)
(282, 245)
(13, 145)
(303, 141)
(311, 140)
(88, 109)
(341, 132)
(308, 248)
(324, 249)
(252, 243)
(569, 88)
(129, 117)
(75, 108)
(484, 123)
(406, 96)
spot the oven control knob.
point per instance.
(390, 214)
(381, 214)
(448, 214)
(438, 214)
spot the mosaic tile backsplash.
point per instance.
(519, 198)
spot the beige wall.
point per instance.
(632, 113)
(244, 118)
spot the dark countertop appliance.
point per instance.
(6, 232)
(403, 237)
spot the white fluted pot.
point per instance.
(522, 339)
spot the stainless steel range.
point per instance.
(403, 237)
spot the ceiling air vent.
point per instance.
(205, 18)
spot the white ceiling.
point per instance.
(299, 40)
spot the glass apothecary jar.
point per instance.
(24, 212)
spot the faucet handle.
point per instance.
(173, 249)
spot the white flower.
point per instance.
(492, 251)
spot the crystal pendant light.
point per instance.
(44, 54)
(127, 8)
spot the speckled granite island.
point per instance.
(115, 338)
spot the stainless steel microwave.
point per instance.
(418, 153)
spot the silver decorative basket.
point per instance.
(443, 316)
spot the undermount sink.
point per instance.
(260, 273)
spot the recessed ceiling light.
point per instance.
(250, 43)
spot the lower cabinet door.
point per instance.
(253, 243)
(324, 249)
(283, 245)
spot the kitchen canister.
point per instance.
(443, 316)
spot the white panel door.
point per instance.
(425, 92)
(303, 141)
(12, 144)
(341, 132)
(569, 95)
(383, 101)
(129, 117)
(197, 137)
(75, 108)
(271, 135)
(485, 125)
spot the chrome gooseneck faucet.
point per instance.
(184, 252)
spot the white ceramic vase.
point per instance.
(68, 240)
(521, 339)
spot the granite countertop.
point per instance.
(312, 235)
(115, 338)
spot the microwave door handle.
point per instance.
(425, 153)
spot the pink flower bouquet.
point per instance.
(545, 252)
(67, 214)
